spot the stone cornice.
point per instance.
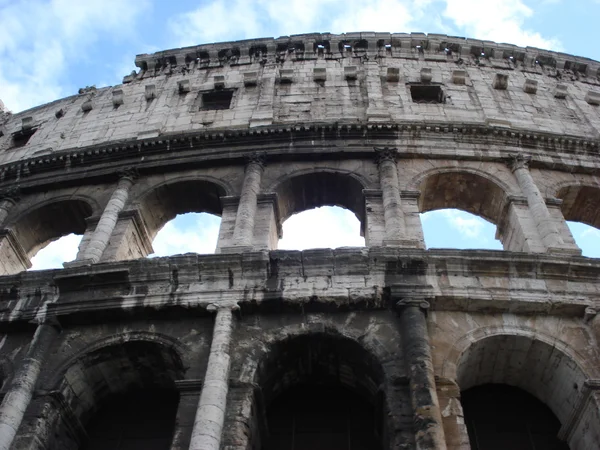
(358, 279)
(304, 47)
(234, 146)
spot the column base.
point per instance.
(568, 251)
(405, 243)
(78, 263)
(236, 249)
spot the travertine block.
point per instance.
(150, 92)
(426, 75)
(350, 72)
(500, 81)
(183, 86)
(393, 74)
(459, 76)
(250, 79)
(319, 74)
(530, 86)
(560, 91)
(593, 98)
(87, 105)
(219, 81)
(117, 99)
(286, 75)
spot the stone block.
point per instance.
(593, 98)
(117, 99)
(219, 81)
(183, 86)
(286, 75)
(27, 123)
(459, 76)
(250, 79)
(530, 86)
(87, 105)
(319, 74)
(500, 81)
(393, 74)
(561, 91)
(426, 75)
(350, 72)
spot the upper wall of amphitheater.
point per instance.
(354, 79)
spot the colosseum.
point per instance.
(387, 346)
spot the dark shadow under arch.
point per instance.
(103, 375)
(179, 197)
(311, 190)
(40, 226)
(322, 367)
(464, 190)
(581, 204)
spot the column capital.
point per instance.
(383, 154)
(224, 305)
(12, 194)
(416, 302)
(518, 161)
(130, 173)
(259, 158)
(189, 387)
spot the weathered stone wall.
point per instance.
(506, 133)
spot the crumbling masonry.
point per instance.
(390, 346)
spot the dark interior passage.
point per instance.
(322, 417)
(141, 420)
(501, 417)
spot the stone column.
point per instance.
(429, 431)
(210, 415)
(101, 235)
(541, 216)
(8, 199)
(395, 228)
(246, 213)
(21, 388)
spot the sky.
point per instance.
(51, 48)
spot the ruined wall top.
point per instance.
(409, 83)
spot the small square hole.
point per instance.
(216, 100)
(422, 93)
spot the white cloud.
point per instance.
(466, 224)
(56, 253)
(40, 40)
(497, 20)
(327, 227)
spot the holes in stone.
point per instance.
(139, 419)
(500, 417)
(21, 138)
(322, 417)
(216, 100)
(422, 93)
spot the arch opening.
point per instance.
(322, 392)
(321, 202)
(324, 227)
(189, 232)
(98, 383)
(453, 228)
(53, 255)
(499, 416)
(462, 201)
(169, 200)
(536, 367)
(581, 208)
(143, 418)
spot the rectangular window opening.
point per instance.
(20, 138)
(427, 93)
(216, 100)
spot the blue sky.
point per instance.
(50, 49)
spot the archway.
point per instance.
(321, 203)
(581, 208)
(322, 391)
(39, 227)
(189, 232)
(540, 369)
(499, 416)
(101, 382)
(463, 201)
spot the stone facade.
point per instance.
(385, 125)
